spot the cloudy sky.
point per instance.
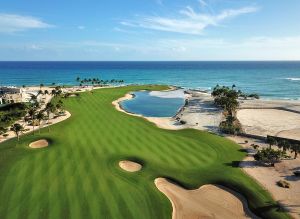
(150, 30)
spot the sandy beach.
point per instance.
(276, 122)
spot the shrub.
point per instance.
(297, 173)
(255, 96)
(283, 184)
(268, 156)
(182, 122)
(230, 126)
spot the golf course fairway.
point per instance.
(78, 176)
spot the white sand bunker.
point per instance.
(39, 144)
(208, 201)
(130, 166)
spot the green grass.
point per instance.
(78, 175)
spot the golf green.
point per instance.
(78, 175)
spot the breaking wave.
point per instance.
(293, 79)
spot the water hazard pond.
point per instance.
(155, 103)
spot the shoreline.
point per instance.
(172, 87)
(201, 102)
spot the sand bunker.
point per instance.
(39, 144)
(208, 201)
(130, 166)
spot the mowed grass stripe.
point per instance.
(78, 176)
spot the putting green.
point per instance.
(79, 177)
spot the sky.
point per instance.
(149, 30)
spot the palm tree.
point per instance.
(284, 144)
(17, 129)
(59, 105)
(53, 92)
(31, 113)
(271, 141)
(33, 98)
(41, 85)
(40, 92)
(296, 149)
(40, 116)
(50, 108)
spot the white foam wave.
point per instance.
(168, 94)
(293, 79)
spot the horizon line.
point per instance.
(279, 60)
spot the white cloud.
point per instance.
(81, 27)
(34, 47)
(203, 3)
(189, 21)
(10, 23)
(253, 48)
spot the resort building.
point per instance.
(10, 94)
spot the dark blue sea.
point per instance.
(272, 80)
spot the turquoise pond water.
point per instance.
(152, 106)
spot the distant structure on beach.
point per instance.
(11, 94)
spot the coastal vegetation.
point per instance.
(78, 175)
(31, 113)
(10, 113)
(285, 144)
(97, 81)
(269, 156)
(17, 129)
(228, 99)
(283, 184)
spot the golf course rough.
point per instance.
(77, 176)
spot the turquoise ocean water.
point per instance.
(271, 80)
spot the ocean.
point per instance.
(271, 80)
